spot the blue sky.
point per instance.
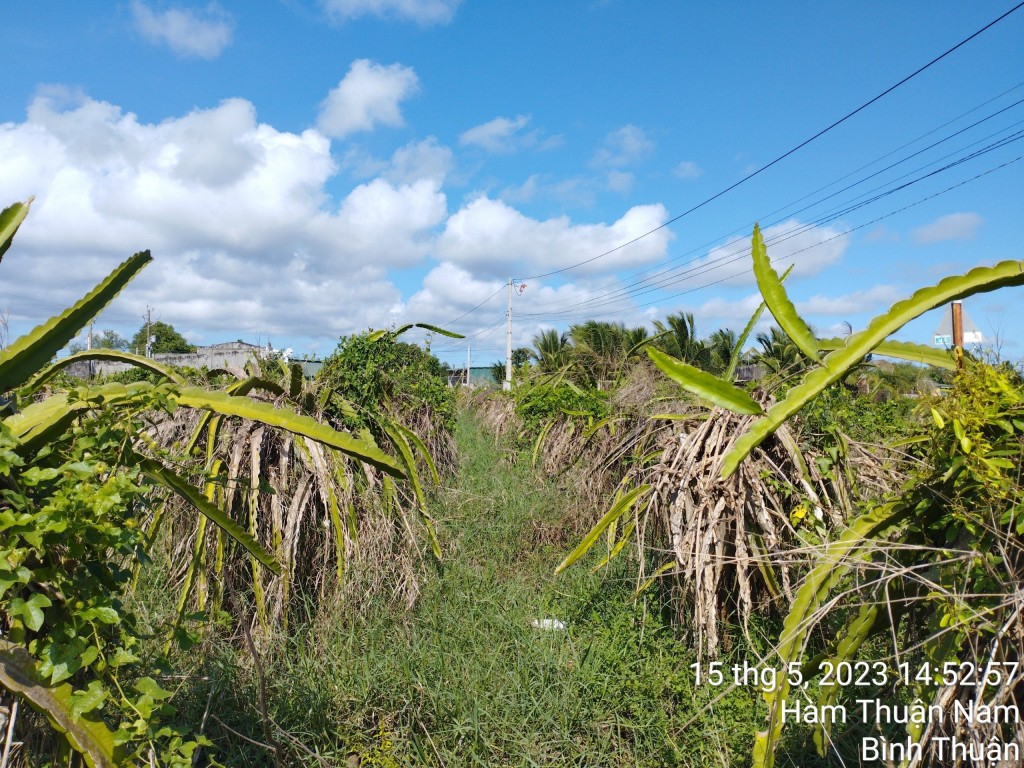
(302, 169)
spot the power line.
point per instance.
(786, 154)
(620, 295)
(646, 276)
(474, 309)
(742, 254)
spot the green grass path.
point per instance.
(465, 680)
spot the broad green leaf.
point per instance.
(101, 354)
(623, 505)
(243, 407)
(837, 363)
(10, 220)
(778, 301)
(87, 735)
(90, 699)
(902, 350)
(701, 383)
(734, 358)
(31, 352)
(174, 482)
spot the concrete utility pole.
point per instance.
(88, 345)
(149, 336)
(958, 332)
(469, 360)
(507, 384)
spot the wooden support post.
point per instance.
(958, 333)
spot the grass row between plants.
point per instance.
(464, 678)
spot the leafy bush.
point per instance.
(860, 417)
(377, 373)
(538, 403)
(78, 472)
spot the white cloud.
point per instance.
(450, 291)
(188, 32)
(427, 159)
(955, 226)
(244, 235)
(810, 249)
(881, 234)
(626, 146)
(369, 95)
(872, 300)
(735, 313)
(420, 11)
(499, 135)
(620, 181)
(688, 170)
(524, 192)
(494, 238)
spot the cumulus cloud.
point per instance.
(808, 248)
(425, 159)
(620, 181)
(735, 313)
(234, 211)
(369, 95)
(423, 12)
(522, 193)
(955, 226)
(871, 300)
(502, 134)
(688, 170)
(188, 32)
(625, 146)
(449, 291)
(494, 238)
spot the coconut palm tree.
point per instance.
(778, 352)
(720, 346)
(552, 350)
(680, 339)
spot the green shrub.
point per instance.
(861, 417)
(379, 373)
(541, 402)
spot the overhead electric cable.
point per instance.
(645, 276)
(474, 309)
(616, 297)
(786, 154)
(743, 254)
